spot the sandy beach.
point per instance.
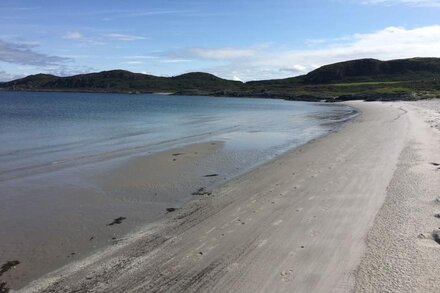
(352, 210)
(67, 193)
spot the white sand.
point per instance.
(296, 224)
(402, 256)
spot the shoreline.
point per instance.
(290, 224)
(282, 198)
(244, 95)
(140, 189)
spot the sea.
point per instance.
(54, 144)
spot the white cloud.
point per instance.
(236, 78)
(24, 54)
(133, 62)
(100, 39)
(73, 36)
(175, 60)
(221, 53)
(69, 70)
(123, 37)
(79, 37)
(140, 57)
(426, 3)
(5, 76)
(270, 62)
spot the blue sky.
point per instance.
(234, 39)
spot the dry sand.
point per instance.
(296, 224)
(402, 255)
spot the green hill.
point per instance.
(363, 78)
(124, 81)
(374, 70)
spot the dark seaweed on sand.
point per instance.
(117, 221)
(8, 265)
(3, 288)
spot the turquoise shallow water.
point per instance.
(40, 129)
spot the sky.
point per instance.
(234, 39)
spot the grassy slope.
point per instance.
(417, 77)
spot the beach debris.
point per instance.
(201, 253)
(436, 236)
(170, 210)
(117, 221)
(202, 191)
(437, 215)
(8, 265)
(3, 288)
(177, 154)
(211, 175)
(91, 238)
(72, 254)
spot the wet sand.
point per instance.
(299, 223)
(60, 207)
(68, 215)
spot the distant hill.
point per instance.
(356, 78)
(374, 70)
(124, 81)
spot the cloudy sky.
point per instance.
(234, 39)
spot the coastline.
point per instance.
(78, 199)
(297, 222)
(333, 186)
(232, 94)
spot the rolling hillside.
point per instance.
(404, 78)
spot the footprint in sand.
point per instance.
(277, 223)
(287, 276)
(436, 165)
(429, 239)
(436, 236)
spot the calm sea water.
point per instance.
(49, 129)
(61, 155)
